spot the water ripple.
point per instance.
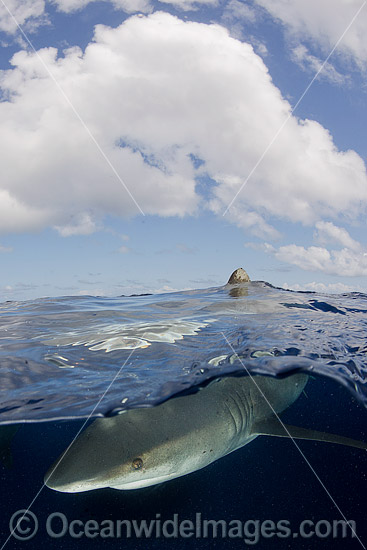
(59, 355)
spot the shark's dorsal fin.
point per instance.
(272, 426)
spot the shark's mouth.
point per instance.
(146, 482)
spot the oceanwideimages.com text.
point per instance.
(25, 525)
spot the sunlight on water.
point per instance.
(125, 336)
(58, 355)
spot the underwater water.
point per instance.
(64, 360)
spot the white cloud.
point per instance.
(235, 15)
(349, 261)
(82, 224)
(252, 221)
(134, 6)
(234, 9)
(335, 262)
(318, 22)
(5, 249)
(128, 6)
(260, 47)
(124, 249)
(23, 11)
(30, 14)
(327, 232)
(313, 64)
(187, 5)
(16, 215)
(324, 22)
(331, 288)
(153, 92)
(302, 178)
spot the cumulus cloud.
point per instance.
(187, 5)
(29, 12)
(235, 15)
(134, 6)
(303, 177)
(18, 216)
(343, 262)
(327, 232)
(324, 22)
(128, 6)
(317, 22)
(349, 260)
(331, 288)
(313, 64)
(156, 93)
(82, 224)
(236, 9)
(251, 221)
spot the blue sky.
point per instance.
(149, 146)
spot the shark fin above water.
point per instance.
(273, 426)
(238, 276)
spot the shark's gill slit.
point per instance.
(174, 436)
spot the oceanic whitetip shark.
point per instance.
(144, 447)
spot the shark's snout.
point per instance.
(121, 452)
(137, 449)
(144, 447)
(65, 476)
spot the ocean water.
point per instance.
(66, 360)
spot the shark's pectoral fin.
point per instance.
(273, 426)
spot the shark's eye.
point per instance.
(137, 464)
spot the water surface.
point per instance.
(70, 357)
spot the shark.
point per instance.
(149, 446)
